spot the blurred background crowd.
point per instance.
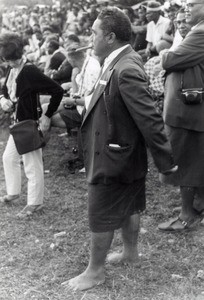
(49, 30)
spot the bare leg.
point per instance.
(130, 232)
(94, 274)
(187, 195)
(187, 215)
(199, 201)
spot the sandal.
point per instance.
(29, 210)
(175, 224)
(9, 198)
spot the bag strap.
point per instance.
(38, 107)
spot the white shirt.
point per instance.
(156, 31)
(106, 63)
(112, 56)
(11, 81)
(177, 40)
(87, 78)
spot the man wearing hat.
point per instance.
(156, 28)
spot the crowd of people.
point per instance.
(129, 79)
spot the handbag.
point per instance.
(27, 135)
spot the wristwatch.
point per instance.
(75, 97)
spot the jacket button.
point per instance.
(97, 152)
(97, 133)
(105, 112)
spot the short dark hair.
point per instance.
(11, 46)
(76, 55)
(115, 20)
(73, 37)
(54, 44)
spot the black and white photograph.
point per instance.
(102, 150)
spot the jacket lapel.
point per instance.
(103, 81)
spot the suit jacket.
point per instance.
(122, 112)
(64, 72)
(185, 63)
(56, 60)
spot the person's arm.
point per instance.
(75, 72)
(134, 90)
(64, 73)
(167, 37)
(139, 28)
(38, 82)
(6, 104)
(188, 54)
(149, 48)
(73, 101)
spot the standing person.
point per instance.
(153, 67)
(183, 114)
(24, 82)
(119, 120)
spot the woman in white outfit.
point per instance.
(23, 84)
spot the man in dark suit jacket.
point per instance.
(58, 55)
(119, 121)
(185, 70)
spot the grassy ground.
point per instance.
(33, 263)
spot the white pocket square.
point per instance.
(103, 82)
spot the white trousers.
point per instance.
(33, 167)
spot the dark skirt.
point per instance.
(110, 205)
(188, 152)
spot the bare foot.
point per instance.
(85, 281)
(115, 258)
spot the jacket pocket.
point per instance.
(117, 160)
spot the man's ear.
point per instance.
(111, 37)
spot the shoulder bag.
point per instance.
(27, 134)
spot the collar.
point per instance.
(159, 20)
(193, 27)
(113, 55)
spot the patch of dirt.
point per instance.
(34, 263)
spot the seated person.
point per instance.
(64, 72)
(156, 28)
(169, 35)
(153, 67)
(139, 29)
(41, 56)
(57, 56)
(85, 73)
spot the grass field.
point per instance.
(33, 263)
